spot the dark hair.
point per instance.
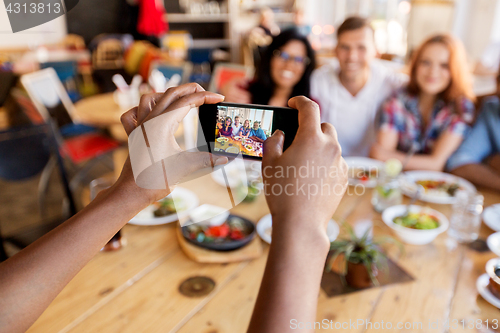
(263, 87)
(225, 123)
(353, 23)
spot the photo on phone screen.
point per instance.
(232, 130)
(240, 129)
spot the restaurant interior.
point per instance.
(194, 261)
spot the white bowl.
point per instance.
(493, 242)
(214, 215)
(414, 236)
(491, 266)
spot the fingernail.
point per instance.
(221, 96)
(220, 161)
(278, 130)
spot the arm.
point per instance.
(479, 174)
(235, 91)
(297, 255)
(256, 138)
(31, 279)
(386, 148)
(467, 161)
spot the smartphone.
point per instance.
(230, 129)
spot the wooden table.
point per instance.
(136, 288)
(231, 142)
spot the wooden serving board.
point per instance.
(250, 251)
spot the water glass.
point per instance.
(387, 193)
(466, 216)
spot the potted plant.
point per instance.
(362, 257)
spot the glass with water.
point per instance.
(387, 193)
(465, 220)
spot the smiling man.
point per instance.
(257, 133)
(351, 90)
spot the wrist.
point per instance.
(301, 232)
(130, 194)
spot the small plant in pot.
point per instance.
(362, 257)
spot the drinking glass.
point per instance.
(466, 216)
(96, 186)
(387, 193)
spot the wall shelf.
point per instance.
(196, 18)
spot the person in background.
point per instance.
(245, 129)
(267, 23)
(432, 114)
(489, 64)
(32, 278)
(478, 158)
(351, 90)
(227, 128)
(236, 126)
(257, 133)
(284, 72)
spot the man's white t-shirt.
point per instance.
(236, 129)
(354, 116)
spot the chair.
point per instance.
(73, 42)
(79, 143)
(224, 72)
(134, 55)
(67, 73)
(108, 54)
(25, 152)
(7, 81)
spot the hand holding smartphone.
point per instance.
(230, 129)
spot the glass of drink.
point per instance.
(465, 220)
(96, 186)
(387, 193)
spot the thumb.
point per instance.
(273, 147)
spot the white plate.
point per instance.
(363, 163)
(493, 242)
(265, 224)
(491, 217)
(482, 288)
(409, 186)
(146, 216)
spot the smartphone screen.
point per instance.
(232, 129)
(242, 130)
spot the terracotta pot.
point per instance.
(357, 275)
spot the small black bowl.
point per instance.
(227, 245)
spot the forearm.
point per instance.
(30, 280)
(479, 174)
(416, 162)
(291, 281)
